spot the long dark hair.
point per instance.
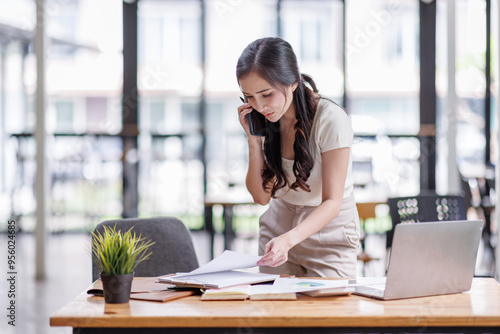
(273, 59)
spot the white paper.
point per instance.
(267, 289)
(304, 284)
(220, 272)
(244, 289)
(369, 281)
(228, 260)
(223, 279)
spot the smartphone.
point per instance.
(256, 122)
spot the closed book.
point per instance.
(270, 292)
(238, 292)
(252, 292)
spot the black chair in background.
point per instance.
(172, 252)
(425, 208)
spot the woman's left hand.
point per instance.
(276, 251)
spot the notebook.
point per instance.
(252, 292)
(429, 259)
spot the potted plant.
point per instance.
(116, 255)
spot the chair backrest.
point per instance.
(425, 208)
(172, 252)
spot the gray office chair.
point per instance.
(172, 252)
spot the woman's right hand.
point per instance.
(244, 110)
(255, 158)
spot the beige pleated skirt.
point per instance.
(329, 253)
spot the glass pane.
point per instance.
(470, 50)
(470, 80)
(84, 65)
(495, 80)
(382, 65)
(169, 48)
(383, 88)
(83, 83)
(64, 116)
(16, 26)
(170, 84)
(315, 29)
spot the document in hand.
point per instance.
(221, 272)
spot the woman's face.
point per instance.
(266, 99)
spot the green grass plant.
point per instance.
(118, 253)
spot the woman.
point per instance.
(302, 167)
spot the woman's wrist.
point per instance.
(293, 237)
(254, 142)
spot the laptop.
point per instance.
(429, 259)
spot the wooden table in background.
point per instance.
(476, 311)
(227, 214)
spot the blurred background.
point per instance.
(140, 116)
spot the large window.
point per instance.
(382, 64)
(315, 29)
(495, 83)
(383, 89)
(466, 112)
(170, 84)
(191, 144)
(83, 72)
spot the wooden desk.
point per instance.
(476, 311)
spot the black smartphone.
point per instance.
(256, 122)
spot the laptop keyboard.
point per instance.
(378, 292)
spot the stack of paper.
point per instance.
(283, 288)
(221, 272)
(315, 287)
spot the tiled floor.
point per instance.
(68, 266)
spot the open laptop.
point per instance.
(429, 259)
